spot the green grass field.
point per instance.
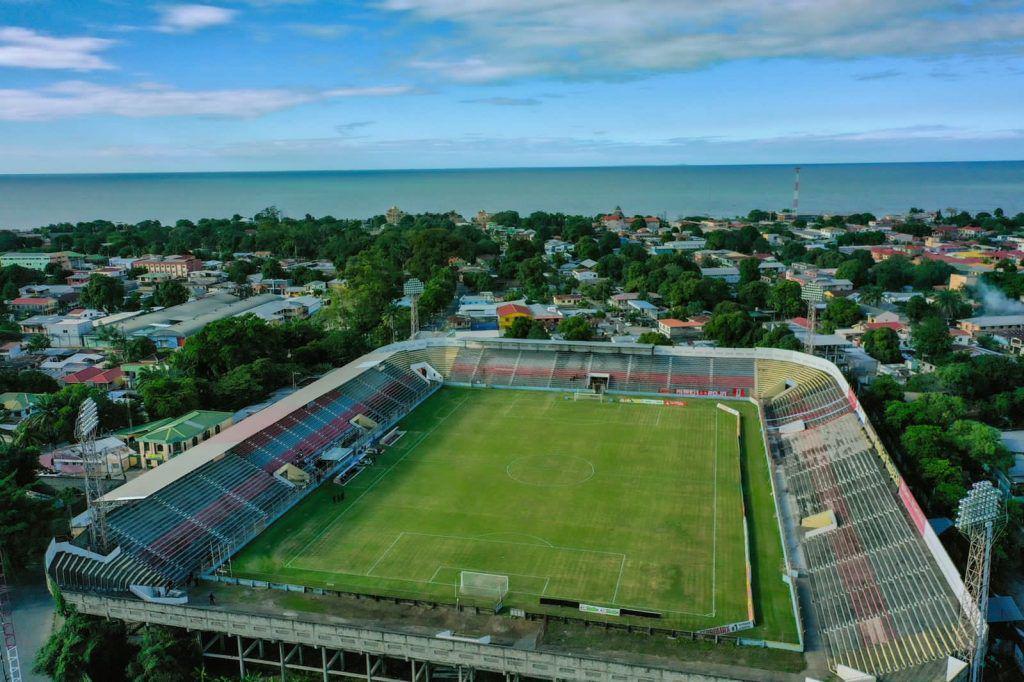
(612, 504)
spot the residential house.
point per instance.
(107, 379)
(679, 330)
(510, 312)
(991, 324)
(567, 299)
(10, 350)
(68, 332)
(644, 307)
(621, 300)
(67, 461)
(33, 306)
(729, 275)
(556, 246)
(171, 437)
(585, 276)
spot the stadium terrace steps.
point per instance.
(116, 575)
(881, 603)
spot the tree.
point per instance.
(931, 339)
(166, 394)
(103, 293)
(37, 342)
(750, 270)
(731, 327)
(918, 308)
(753, 294)
(25, 522)
(980, 443)
(853, 270)
(520, 328)
(575, 328)
(951, 304)
(779, 336)
(655, 338)
(871, 295)
(165, 655)
(784, 297)
(842, 312)
(169, 293)
(883, 344)
(85, 648)
(923, 441)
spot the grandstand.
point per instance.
(885, 597)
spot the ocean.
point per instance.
(28, 201)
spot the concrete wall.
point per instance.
(396, 645)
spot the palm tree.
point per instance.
(949, 302)
(871, 295)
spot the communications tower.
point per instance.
(796, 191)
(980, 517)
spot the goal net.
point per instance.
(588, 395)
(486, 586)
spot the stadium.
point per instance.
(496, 508)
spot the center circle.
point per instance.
(550, 471)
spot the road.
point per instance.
(33, 617)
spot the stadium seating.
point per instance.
(176, 528)
(880, 601)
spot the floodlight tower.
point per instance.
(94, 467)
(979, 517)
(413, 289)
(796, 191)
(813, 294)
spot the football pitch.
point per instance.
(612, 504)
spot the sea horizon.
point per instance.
(722, 190)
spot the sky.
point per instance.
(129, 86)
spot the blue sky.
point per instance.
(118, 85)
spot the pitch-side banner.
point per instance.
(603, 610)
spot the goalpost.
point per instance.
(490, 588)
(588, 395)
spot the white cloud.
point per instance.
(147, 100)
(322, 31)
(608, 38)
(25, 48)
(189, 18)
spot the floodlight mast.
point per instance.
(813, 294)
(980, 517)
(93, 465)
(413, 289)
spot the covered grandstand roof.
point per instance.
(210, 450)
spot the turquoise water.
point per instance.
(31, 200)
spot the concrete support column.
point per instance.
(241, 657)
